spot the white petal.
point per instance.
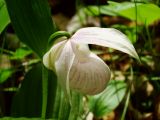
(63, 65)
(89, 75)
(107, 37)
(50, 57)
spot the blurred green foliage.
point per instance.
(146, 13)
(5, 74)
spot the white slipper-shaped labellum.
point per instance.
(77, 67)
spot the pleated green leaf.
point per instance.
(32, 22)
(28, 100)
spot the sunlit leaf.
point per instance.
(4, 17)
(146, 13)
(109, 99)
(112, 9)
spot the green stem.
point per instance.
(149, 38)
(126, 106)
(99, 11)
(135, 2)
(128, 96)
(3, 43)
(157, 2)
(44, 91)
(78, 7)
(57, 35)
(6, 51)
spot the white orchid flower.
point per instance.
(77, 67)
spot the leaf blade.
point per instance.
(109, 99)
(4, 17)
(32, 22)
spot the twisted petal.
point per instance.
(107, 37)
(50, 57)
(63, 65)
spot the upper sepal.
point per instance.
(107, 37)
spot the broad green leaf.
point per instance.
(146, 13)
(32, 22)
(27, 102)
(4, 17)
(5, 74)
(108, 100)
(112, 9)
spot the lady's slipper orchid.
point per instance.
(77, 67)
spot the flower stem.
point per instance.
(44, 91)
(57, 35)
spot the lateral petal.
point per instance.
(107, 37)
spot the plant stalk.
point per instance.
(44, 91)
